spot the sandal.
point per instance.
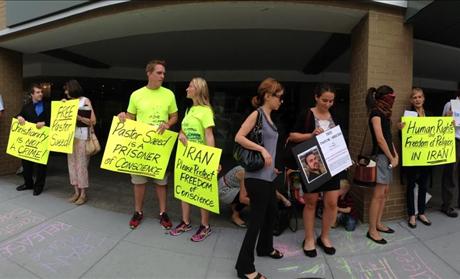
(258, 276)
(241, 225)
(74, 198)
(275, 254)
(81, 200)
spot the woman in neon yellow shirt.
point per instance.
(196, 127)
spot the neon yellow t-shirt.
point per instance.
(197, 119)
(152, 106)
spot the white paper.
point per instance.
(410, 113)
(455, 107)
(335, 150)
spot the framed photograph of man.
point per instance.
(321, 158)
(312, 164)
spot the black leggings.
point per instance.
(419, 175)
(261, 221)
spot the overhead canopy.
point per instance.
(438, 21)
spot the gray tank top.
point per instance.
(270, 137)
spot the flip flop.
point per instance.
(243, 225)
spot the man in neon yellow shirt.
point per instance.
(154, 105)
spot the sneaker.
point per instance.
(136, 219)
(201, 233)
(450, 212)
(165, 222)
(181, 228)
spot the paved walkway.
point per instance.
(47, 237)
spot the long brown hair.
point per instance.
(74, 88)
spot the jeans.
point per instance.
(347, 221)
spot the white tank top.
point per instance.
(81, 132)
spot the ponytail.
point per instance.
(267, 86)
(256, 102)
(370, 98)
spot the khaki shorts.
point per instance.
(139, 179)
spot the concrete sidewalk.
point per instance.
(47, 237)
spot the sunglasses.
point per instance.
(280, 97)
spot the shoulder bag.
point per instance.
(365, 174)
(251, 160)
(92, 144)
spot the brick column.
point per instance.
(381, 55)
(12, 93)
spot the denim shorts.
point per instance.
(384, 172)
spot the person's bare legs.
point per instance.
(83, 192)
(204, 217)
(309, 219)
(374, 208)
(236, 218)
(139, 192)
(381, 208)
(185, 212)
(283, 199)
(329, 215)
(161, 195)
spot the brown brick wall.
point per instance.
(381, 54)
(2, 15)
(12, 93)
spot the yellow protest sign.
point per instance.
(195, 175)
(62, 127)
(428, 141)
(28, 143)
(136, 148)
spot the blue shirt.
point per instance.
(38, 107)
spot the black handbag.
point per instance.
(251, 160)
(286, 218)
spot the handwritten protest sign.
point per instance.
(62, 128)
(428, 141)
(195, 175)
(28, 143)
(136, 148)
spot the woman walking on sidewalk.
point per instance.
(259, 184)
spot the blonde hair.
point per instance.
(202, 96)
(416, 90)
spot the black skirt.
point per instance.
(332, 185)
